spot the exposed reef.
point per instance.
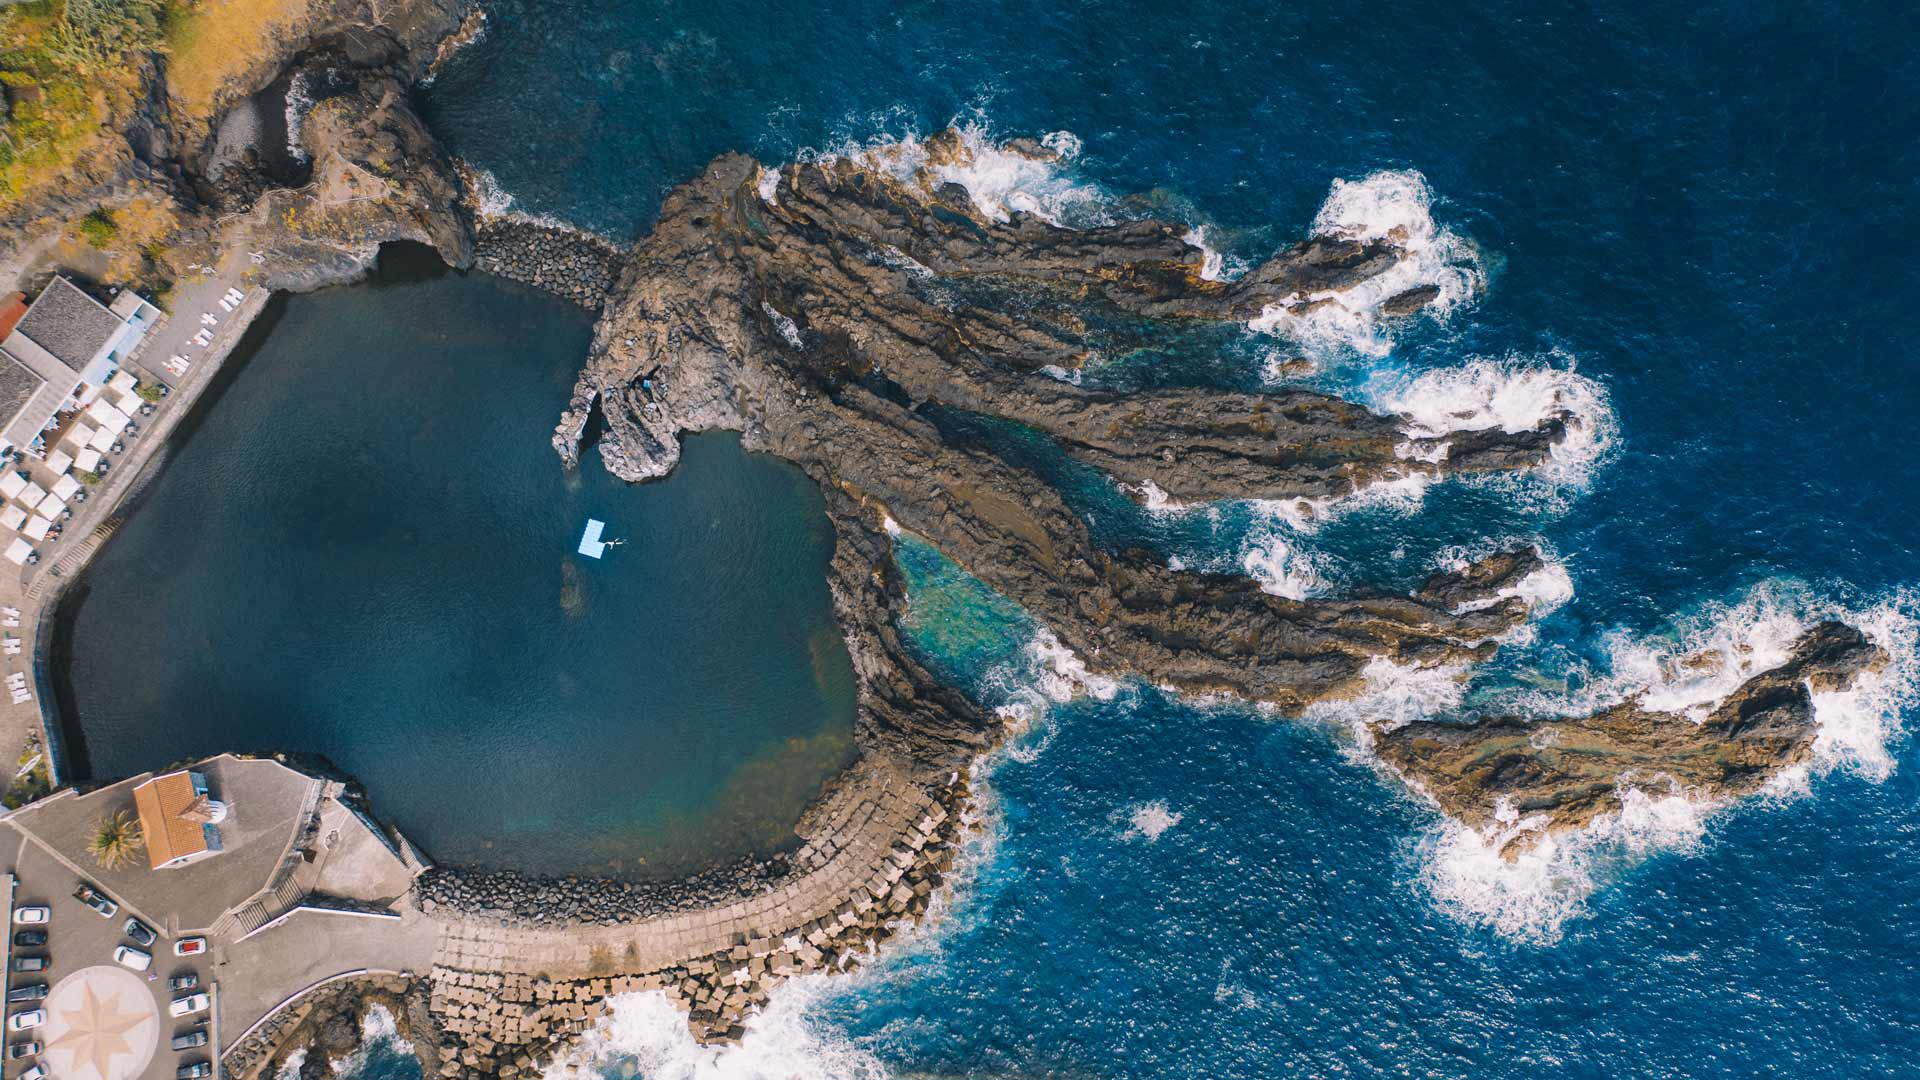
(1526, 779)
(844, 314)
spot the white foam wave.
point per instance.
(1000, 182)
(1392, 695)
(1530, 898)
(769, 185)
(1212, 265)
(1149, 821)
(1512, 395)
(1282, 567)
(1059, 675)
(1545, 590)
(1404, 493)
(1397, 206)
(645, 1035)
(1686, 671)
(379, 1033)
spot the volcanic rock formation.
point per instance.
(1527, 779)
(866, 320)
(854, 319)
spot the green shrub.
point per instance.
(98, 227)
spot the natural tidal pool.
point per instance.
(363, 547)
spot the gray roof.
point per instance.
(68, 323)
(17, 384)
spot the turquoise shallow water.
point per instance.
(1705, 210)
(364, 549)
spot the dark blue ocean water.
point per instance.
(1709, 212)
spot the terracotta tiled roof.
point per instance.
(171, 833)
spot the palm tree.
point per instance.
(116, 839)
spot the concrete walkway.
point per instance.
(35, 589)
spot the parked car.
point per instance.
(26, 1019)
(30, 939)
(35, 1071)
(30, 992)
(184, 981)
(26, 1049)
(94, 899)
(128, 956)
(140, 932)
(37, 915)
(30, 963)
(187, 1006)
(187, 1040)
(195, 1071)
(190, 946)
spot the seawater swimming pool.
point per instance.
(363, 547)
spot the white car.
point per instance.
(26, 1021)
(31, 916)
(35, 1071)
(187, 1006)
(128, 956)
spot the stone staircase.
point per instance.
(260, 911)
(75, 558)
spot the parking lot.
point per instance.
(103, 1020)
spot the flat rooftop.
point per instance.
(68, 323)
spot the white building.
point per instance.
(61, 352)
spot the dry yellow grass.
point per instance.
(214, 41)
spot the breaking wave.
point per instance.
(646, 1035)
(1512, 395)
(1394, 205)
(1000, 181)
(1282, 567)
(1149, 821)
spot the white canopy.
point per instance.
(12, 518)
(52, 508)
(59, 461)
(103, 440)
(87, 460)
(32, 494)
(110, 418)
(12, 484)
(37, 527)
(79, 434)
(18, 551)
(124, 382)
(64, 487)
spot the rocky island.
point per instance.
(863, 317)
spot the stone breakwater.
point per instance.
(520, 900)
(509, 999)
(576, 266)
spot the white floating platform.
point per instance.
(590, 543)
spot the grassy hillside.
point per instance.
(66, 68)
(70, 71)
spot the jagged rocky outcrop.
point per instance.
(1526, 779)
(845, 315)
(862, 318)
(375, 174)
